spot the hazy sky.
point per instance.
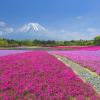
(67, 19)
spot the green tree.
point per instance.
(3, 43)
(97, 40)
(28, 43)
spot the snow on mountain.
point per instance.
(28, 31)
(32, 27)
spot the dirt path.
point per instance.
(85, 74)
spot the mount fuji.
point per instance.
(31, 27)
(28, 31)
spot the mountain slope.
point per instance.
(32, 27)
(28, 31)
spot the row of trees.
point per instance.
(16, 43)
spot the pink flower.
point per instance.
(40, 74)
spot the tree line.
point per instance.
(17, 43)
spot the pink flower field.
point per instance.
(86, 48)
(8, 52)
(38, 75)
(88, 59)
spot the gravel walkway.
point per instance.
(85, 74)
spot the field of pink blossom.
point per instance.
(38, 75)
(88, 59)
(8, 52)
(86, 48)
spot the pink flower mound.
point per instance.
(38, 76)
(88, 59)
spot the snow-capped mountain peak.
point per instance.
(27, 31)
(32, 27)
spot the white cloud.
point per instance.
(0, 33)
(2, 24)
(79, 17)
(63, 31)
(91, 29)
(61, 34)
(5, 29)
(69, 35)
(9, 30)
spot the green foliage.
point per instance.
(3, 43)
(97, 40)
(15, 43)
(27, 43)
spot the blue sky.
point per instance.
(73, 19)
